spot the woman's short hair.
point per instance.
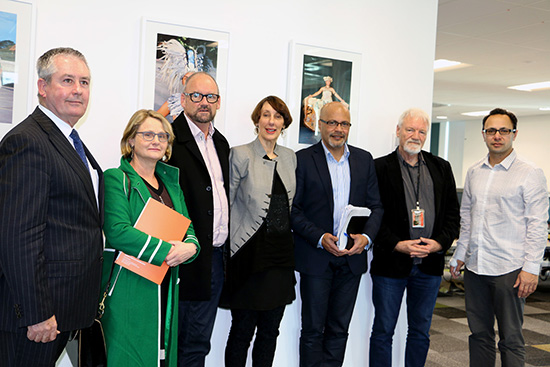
(278, 105)
(133, 126)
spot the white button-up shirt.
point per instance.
(210, 156)
(340, 178)
(503, 217)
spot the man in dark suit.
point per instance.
(329, 176)
(51, 200)
(202, 154)
(420, 223)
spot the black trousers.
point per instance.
(327, 306)
(196, 319)
(487, 298)
(16, 350)
(243, 325)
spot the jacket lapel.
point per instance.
(223, 157)
(321, 165)
(353, 167)
(437, 180)
(184, 136)
(101, 188)
(67, 151)
(396, 181)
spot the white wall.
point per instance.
(531, 143)
(395, 37)
(454, 134)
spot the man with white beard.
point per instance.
(421, 220)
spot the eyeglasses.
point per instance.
(502, 131)
(150, 136)
(332, 123)
(197, 97)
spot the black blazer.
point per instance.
(51, 242)
(195, 284)
(395, 225)
(313, 207)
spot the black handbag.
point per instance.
(92, 351)
(91, 346)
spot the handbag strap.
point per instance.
(101, 309)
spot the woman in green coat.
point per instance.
(141, 317)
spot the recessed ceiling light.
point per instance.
(544, 108)
(444, 64)
(441, 117)
(476, 113)
(532, 86)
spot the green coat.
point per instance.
(132, 308)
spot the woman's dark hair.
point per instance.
(278, 105)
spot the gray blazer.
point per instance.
(251, 181)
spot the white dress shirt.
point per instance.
(503, 217)
(210, 156)
(341, 179)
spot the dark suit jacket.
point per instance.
(51, 243)
(197, 189)
(312, 211)
(395, 225)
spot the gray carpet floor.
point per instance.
(449, 331)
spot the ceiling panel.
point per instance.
(507, 42)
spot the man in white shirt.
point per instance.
(502, 239)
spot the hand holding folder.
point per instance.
(353, 221)
(156, 220)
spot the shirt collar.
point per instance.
(259, 148)
(195, 131)
(506, 162)
(329, 154)
(420, 162)
(61, 125)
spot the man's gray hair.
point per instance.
(45, 65)
(414, 112)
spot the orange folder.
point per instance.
(157, 220)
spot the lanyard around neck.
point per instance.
(417, 188)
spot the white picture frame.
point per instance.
(151, 28)
(299, 53)
(17, 73)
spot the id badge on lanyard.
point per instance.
(417, 218)
(417, 215)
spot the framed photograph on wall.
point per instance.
(170, 52)
(317, 76)
(16, 29)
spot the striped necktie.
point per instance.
(79, 147)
